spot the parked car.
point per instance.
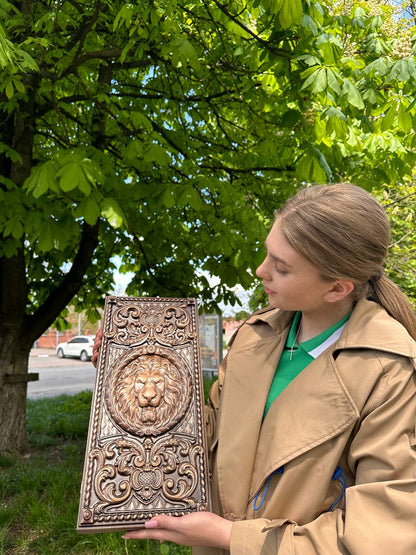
(79, 346)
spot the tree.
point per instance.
(166, 133)
(400, 205)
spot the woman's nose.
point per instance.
(260, 272)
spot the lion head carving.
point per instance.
(149, 395)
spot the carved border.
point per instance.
(138, 463)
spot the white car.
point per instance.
(79, 346)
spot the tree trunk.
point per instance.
(18, 332)
(14, 352)
(14, 356)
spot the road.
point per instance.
(58, 376)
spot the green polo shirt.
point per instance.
(296, 357)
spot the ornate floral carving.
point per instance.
(140, 323)
(165, 468)
(146, 451)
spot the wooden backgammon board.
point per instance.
(146, 448)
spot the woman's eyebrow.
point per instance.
(277, 258)
(280, 261)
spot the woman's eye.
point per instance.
(279, 271)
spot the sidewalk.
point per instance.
(42, 352)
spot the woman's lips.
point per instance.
(268, 291)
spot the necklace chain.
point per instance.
(292, 348)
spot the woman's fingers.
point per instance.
(96, 347)
(195, 529)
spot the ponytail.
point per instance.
(386, 293)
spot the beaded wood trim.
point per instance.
(146, 450)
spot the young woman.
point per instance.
(311, 423)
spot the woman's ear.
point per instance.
(339, 291)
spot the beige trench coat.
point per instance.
(353, 407)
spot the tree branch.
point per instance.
(230, 171)
(264, 43)
(61, 296)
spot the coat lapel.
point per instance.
(312, 409)
(244, 395)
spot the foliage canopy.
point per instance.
(166, 132)
(160, 128)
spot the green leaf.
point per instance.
(332, 78)
(378, 66)
(238, 259)
(7, 55)
(320, 82)
(352, 93)
(133, 151)
(290, 118)
(290, 12)
(402, 70)
(184, 52)
(19, 86)
(9, 89)
(156, 153)
(324, 172)
(42, 179)
(13, 228)
(141, 121)
(89, 210)
(124, 16)
(70, 176)
(27, 62)
(376, 143)
(79, 172)
(336, 123)
(45, 237)
(389, 118)
(304, 167)
(316, 80)
(9, 247)
(405, 119)
(307, 21)
(195, 200)
(272, 6)
(310, 76)
(331, 51)
(168, 199)
(88, 168)
(111, 211)
(313, 168)
(370, 95)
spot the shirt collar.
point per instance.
(368, 327)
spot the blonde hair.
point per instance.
(344, 232)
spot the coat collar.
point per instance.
(369, 327)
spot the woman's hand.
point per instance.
(96, 347)
(196, 529)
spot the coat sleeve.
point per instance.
(379, 510)
(213, 404)
(214, 399)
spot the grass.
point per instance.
(39, 491)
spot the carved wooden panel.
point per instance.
(146, 451)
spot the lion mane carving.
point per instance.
(149, 395)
